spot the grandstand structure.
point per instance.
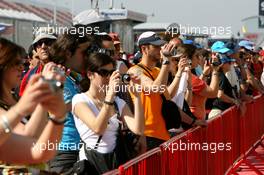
(19, 19)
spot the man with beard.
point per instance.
(153, 83)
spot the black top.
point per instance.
(225, 86)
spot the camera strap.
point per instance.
(143, 67)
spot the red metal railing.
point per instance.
(204, 151)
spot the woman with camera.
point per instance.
(227, 95)
(96, 112)
(201, 91)
(46, 108)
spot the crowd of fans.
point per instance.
(62, 108)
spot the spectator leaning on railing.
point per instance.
(227, 95)
(201, 91)
(245, 51)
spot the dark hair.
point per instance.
(104, 37)
(186, 49)
(30, 51)
(202, 52)
(9, 51)
(92, 63)
(67, 42)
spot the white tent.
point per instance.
(89, 17)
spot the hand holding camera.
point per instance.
(54, 76)
(134, 83)
(167, 51)
(183, 62)
(113, 83)
(216, 63)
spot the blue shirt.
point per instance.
(198, 71)
(70, 137)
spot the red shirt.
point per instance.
(198, 102)
(24, 82)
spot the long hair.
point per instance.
(9, 52)
(94, 62)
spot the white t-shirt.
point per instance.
(179, 96)
(232, 78)
(108, 141)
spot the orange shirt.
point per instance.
(198, 102)
(154, 122)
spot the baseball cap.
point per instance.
(150, 38)
(219, 47)
(225, 59)
(246, 44)
(43, 36)
(188, 41)
(234, 48)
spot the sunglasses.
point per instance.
(108, 52)
(104, 72)
(47, 42)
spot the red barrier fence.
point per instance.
(204, 151)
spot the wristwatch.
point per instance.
(165, 62)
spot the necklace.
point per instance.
(97, 102)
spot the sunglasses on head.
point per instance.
(108, 52)
(105, 72)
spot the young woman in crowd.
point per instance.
(201, 91)
(21, 138)
(95, 111)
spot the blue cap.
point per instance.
(225, 59)
(233, 47)
(220, 47)
(246, 44)
(188, 42)
(199, 46)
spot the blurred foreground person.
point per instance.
(23, 139)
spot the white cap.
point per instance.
(43, 36)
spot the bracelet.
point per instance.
(205, 75)
(57, 121)
(190, 88)
(215, 73)
(194, 120)
(108, 103)
(5, 124)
